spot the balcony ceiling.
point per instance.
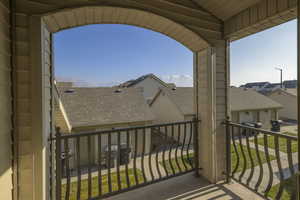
(224, 9)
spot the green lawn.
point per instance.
(282, 143)
(84, 184)
(248, 162)
(180, 163)
(233, 160)
(289, 187)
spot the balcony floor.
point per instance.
(188, 187)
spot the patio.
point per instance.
(206, 27)
(188, 187)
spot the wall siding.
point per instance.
(6, 184)
(265, 14)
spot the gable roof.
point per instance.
(240, 100)
(133, 82)
(104, 106)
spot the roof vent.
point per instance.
(118, 90)
(69, 91)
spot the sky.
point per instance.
(106, 55)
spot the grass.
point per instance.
(180, 165)
(282, 143)
(84, 184)
(233, 160)
(289, 187)
(234, 157)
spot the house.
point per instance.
(287, 98)
(256, 85)
(289, 84)
(149, 83)
(97, 109)
(246, 106)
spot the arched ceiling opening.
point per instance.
(69, 18)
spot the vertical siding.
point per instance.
(5, 104)
(23, 107)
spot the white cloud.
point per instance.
(179, 80)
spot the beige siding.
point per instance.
(5, 104)
(289, 103)
(263, 15)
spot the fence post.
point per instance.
(58, 163)
(228, 151)
(196, 146)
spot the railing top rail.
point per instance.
(264, 131)
(81, 134)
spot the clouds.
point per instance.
(180, 80)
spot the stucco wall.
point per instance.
(5, 104)
(150, 87)
(289, 103)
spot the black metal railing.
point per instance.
(263, 161)
(102, 163)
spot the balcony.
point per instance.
(121, 164)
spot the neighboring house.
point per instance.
(287, 98)
(246, 106)
(96, 109)
(149, 83)
(290, 84)
(256, 85)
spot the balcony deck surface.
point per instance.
(188, 187)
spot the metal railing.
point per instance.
(98, 164)
(263, 161)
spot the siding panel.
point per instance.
(5, 104)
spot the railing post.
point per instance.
(58, 163)
(228, 151)
(196, 146)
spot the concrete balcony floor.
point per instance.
(188, 187)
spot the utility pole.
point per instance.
(281, 83)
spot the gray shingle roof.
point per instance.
(183, 98)
(240, 99)
(104, 106)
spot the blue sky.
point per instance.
(109, 54)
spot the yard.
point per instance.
(234, 159)
(288, 190)
(95, 193)
(282, 143)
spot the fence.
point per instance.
(98, 164)
(265, 162)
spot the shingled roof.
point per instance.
(240, 99)
(104, 106)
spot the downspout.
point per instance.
(14, 134)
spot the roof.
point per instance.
(183, 98)
(133, 82)
(240, 100)
(104, 106)
(255, 84)
(243, 99)
(289, 91)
